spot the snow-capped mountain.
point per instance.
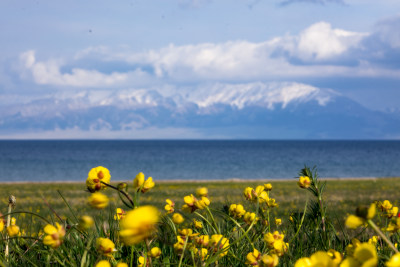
(252, 110)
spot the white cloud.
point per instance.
(48, 73)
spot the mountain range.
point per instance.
(259, 110)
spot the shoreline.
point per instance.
(229, 180)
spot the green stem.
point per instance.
(382, 235)
(301, 223)
(183, 252)
(122, 192)
(27, 212)
(66, 203)
(212, 218)
(83, 262)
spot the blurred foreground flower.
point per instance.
(202, 192)
(54, 235)
(85, 222)
(98, 200)
(394, 261)
(362, 215)
(138, 224)
(95, 177)
(103, 263)
(13, 230)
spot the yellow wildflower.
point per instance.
(85, 222)
(202, 253)
(197, 224)
(319, 258)
(373, 240)
(95, 177)
(366, 255)
(202, 240)
(335, 256)
(253, 257)
(280, 247)
(121, 264)
(170, 206)
(103, 263)
(249, 217)
(177, 218)
(269, 260)
(248, 193)
(202, 203)
(236, 210)
(141, 185)
(268, 187)
(393, 226)
(178, 246)
(392, 212)
(141, 262)
(271, 238)
(13, 221)
(98, 200)
(1, 225)
(155, 252)
(105, 246)
(278, 222)
(192, 203)
(304, 182)
(202, 192)
(362, 215)
(385, 205)
(119, 214)
(220, 244)
(394, 261)
(354, 221)
(13, 230)
(138, 224)
(54, 235)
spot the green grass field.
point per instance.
(66, 202)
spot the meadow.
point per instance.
(278, 223)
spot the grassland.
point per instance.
(342, 195)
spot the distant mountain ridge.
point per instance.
(253, 110)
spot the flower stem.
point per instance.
(382, 235)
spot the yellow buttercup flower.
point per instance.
(105, 246)
(155, 252)
(362, 215)
(98, 200)
(119, 214)
(392, 212)
(103, 263)
(319, 258)
(304, 182)
(202, 240)
(394, 261)
(95, 177)
(366, 255)
(303, 262)
(278, 222)
(201, 253)
(249, 217)
(192, 203)
(13, 221)
(202, 192)
(271, 238)
(385, 205)
(268, 187)
(170, 206)
(85, 222)
(252, 258)
(1, 225)
(236, 210)
(335, 256)
(138, 224)
(393, 226)
(13, 230)
(197, 224)
(269, 260)
(122, 264)
(178, 246)
(54, 235)
(141, 261)
(177, 218)
(141, 184)
(219, 244)
(353, 222)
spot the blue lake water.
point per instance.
(165, 160)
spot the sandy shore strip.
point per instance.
(229, 180)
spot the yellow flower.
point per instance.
(202, 203)
(138, 224)
(54, 235)
(220, 244)
(236, 210)
(105, 246)
(303, 262)
(394, 261)
(141, 185)
(366, 255)
(253, 257)
(85, 222)
(353, 222)
(202, 253)
(1, 225)
(170, 206)
(202, 192)
(248, 193)
(385, 205)
(95, 177)
(13, 221)
(319, 258)
(121, 264)
(278, 221)
(268, 187)
(98, 200)
(13, 230)
(373, 240)
(392, 212)
(197, 224)
(177, 218)
(192, 203)
(335, 256)
(393, 227)
(249, 217)
(119, 214)
(178, 246)
(141, 261)
(304, 182)
(280, 247)
(103, 263)
(202, 240)
(269, 260)
(271, 238)
(155, 252)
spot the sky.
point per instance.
(63, 47)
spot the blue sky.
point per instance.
(63, 47)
